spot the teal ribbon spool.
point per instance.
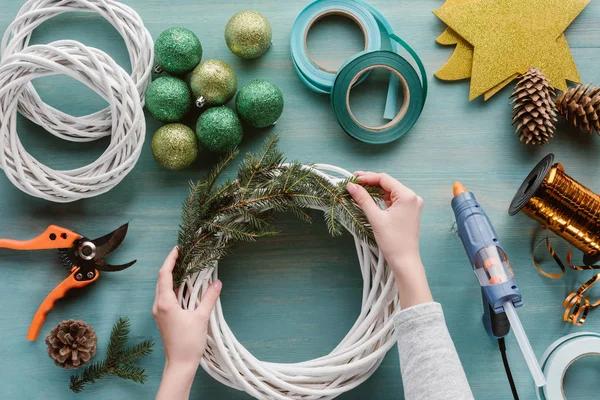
(377, 54)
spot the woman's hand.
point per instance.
(397, 227)
(397, 230)
(183, 332)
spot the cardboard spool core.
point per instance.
(329, 13)
(562, 378)
(401, 112)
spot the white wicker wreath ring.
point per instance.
(100, 73)
(352, 362)
(137, 40)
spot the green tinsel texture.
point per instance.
(215, 217)
(120, 360)
(168, 99)
(178, 50)
(219, 130)
(259, 103)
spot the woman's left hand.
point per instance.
(183, 332)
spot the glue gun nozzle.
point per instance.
(459, 188)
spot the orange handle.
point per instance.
(55, 237)
(59, 292)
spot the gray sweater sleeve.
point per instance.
(431, 369)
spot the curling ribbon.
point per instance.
(559, 356)
(571, 211)
(338, 84)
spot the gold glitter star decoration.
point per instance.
(498, 40)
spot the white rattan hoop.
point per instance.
(100, 73)
(352, 362)
(129, 25)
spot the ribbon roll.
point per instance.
(559, 356)
(339, 83)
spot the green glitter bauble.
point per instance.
(174, 146)
(219, 130)
(168, 99)
(213, 83)
(259, 103)
(178, 50)
(248, 34)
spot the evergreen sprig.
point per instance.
(215, 217)
(120, 360)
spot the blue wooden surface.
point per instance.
(293, 297)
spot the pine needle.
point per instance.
(119, 361)
(215, 217)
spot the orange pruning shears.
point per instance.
(80, 255)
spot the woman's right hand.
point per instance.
(397, 230)
(397, 227)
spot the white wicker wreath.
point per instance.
(352, 362)
(127, 23)
(99, 72)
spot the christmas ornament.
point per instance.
(534, 111)
(219, 130)
(126, 22)
(120, 360)
(504, 45)
(168, 99)
(100, 73)
(259, 103)
(580, 106)
(248, 34)
(213, 83)
(71, 344)
(174, 146)
(177, 50)
(240, 211)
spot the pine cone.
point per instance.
(534, 110)
(581, 107)
(71, 344)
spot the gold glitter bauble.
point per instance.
(174, 146)
(213, 83)
(248, 34)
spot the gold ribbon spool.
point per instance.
(571, 211)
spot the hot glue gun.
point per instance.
(499, 289)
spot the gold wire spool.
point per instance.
(571, 211)
(561, 204)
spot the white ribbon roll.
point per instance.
(559, 357)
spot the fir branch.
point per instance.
(215, 217)
(118, 339)
(119, 361)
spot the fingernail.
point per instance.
(218, 284)
(351, 187)
(359, 172)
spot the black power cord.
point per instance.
(513, 388)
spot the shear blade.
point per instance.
(108, 243)
(102, 265)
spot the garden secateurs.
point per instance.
(83, 257)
